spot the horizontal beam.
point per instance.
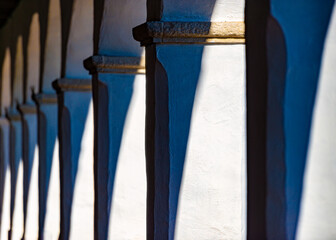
(115, 64)
(67, 84)
(190, 32)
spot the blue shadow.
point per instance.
(285, 42)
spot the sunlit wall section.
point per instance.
(212, 195)
(317, 216)
(213, 188)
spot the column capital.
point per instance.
(45, 98)
(68, 84)
(115, 64)
(27, 109)
(190, 33)
(12, 115)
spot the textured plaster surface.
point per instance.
(317, 219)
(128, 209)
(212, 194)
(200, 143)
(82, 204)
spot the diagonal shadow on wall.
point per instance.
(282, 79)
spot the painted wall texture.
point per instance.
(215, 151)
(152, 119)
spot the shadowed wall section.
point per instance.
(317, 218)
(282, 79)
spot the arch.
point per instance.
(80, 43)
(33, 58)
(52, 61)
(5, 81)
(18, 73)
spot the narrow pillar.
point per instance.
(5, 178)
(174, 56)
(75, 133)
(16, 169)
(49, 183)
(118, 84)
(30, 170)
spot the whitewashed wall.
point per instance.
(128, 211)
(212, 195)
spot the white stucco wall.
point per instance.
(17, 228)
(52, 219)
(128, 211)
(31, 228)
(317, 219)
(212, 195)
(82, 206)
